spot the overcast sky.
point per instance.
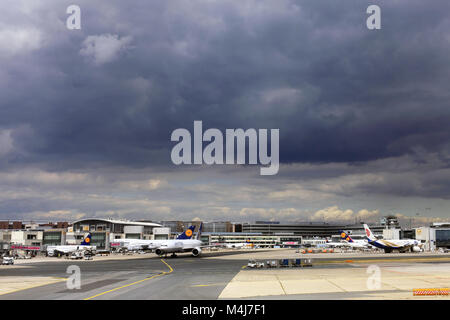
(86, 115)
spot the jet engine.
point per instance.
(196, 251)
(159, 252)
(416, 249)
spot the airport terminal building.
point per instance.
(33, 237)
(257, 239)
(435, 236)
(309, 230)
(104, 231)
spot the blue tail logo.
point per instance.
(86, 240)
(346, 237)
(187, 234)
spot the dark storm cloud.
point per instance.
(337, 91)
(86, 115)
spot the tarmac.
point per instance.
(14, 284)
(224, 275)
(350, 281)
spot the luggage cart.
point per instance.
(284, 263)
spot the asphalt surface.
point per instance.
(183, 278)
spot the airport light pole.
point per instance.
(429, 209)
(417, 215)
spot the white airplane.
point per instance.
(390, 245)
(348, 242)
(139, 244)
(85, 245)
(359, 244)
(182, 245)
(332, 244)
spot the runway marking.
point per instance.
(95, 285)
(57, 280)
(336, 285)
(281, 285)
(136, 282)
(209, 285)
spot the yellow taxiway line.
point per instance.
(56, 280)
(136, 282)
(209, 284)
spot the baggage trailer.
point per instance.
(284, 263)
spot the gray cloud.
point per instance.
(363, 115)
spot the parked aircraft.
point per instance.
(390, 245)
(358, 244)
(140, 244)
(348, 242)
(66, 249)
(182, 245)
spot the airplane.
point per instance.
(359, 244)
(347, 241)
(85, 245)
(336, 244)
(182, 245)
(389, 245)
(140, 244)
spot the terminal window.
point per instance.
(443, 238)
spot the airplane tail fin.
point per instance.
(199, 232)
(87, 240)
(187, 234)
(346, 237)
(369, 233)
